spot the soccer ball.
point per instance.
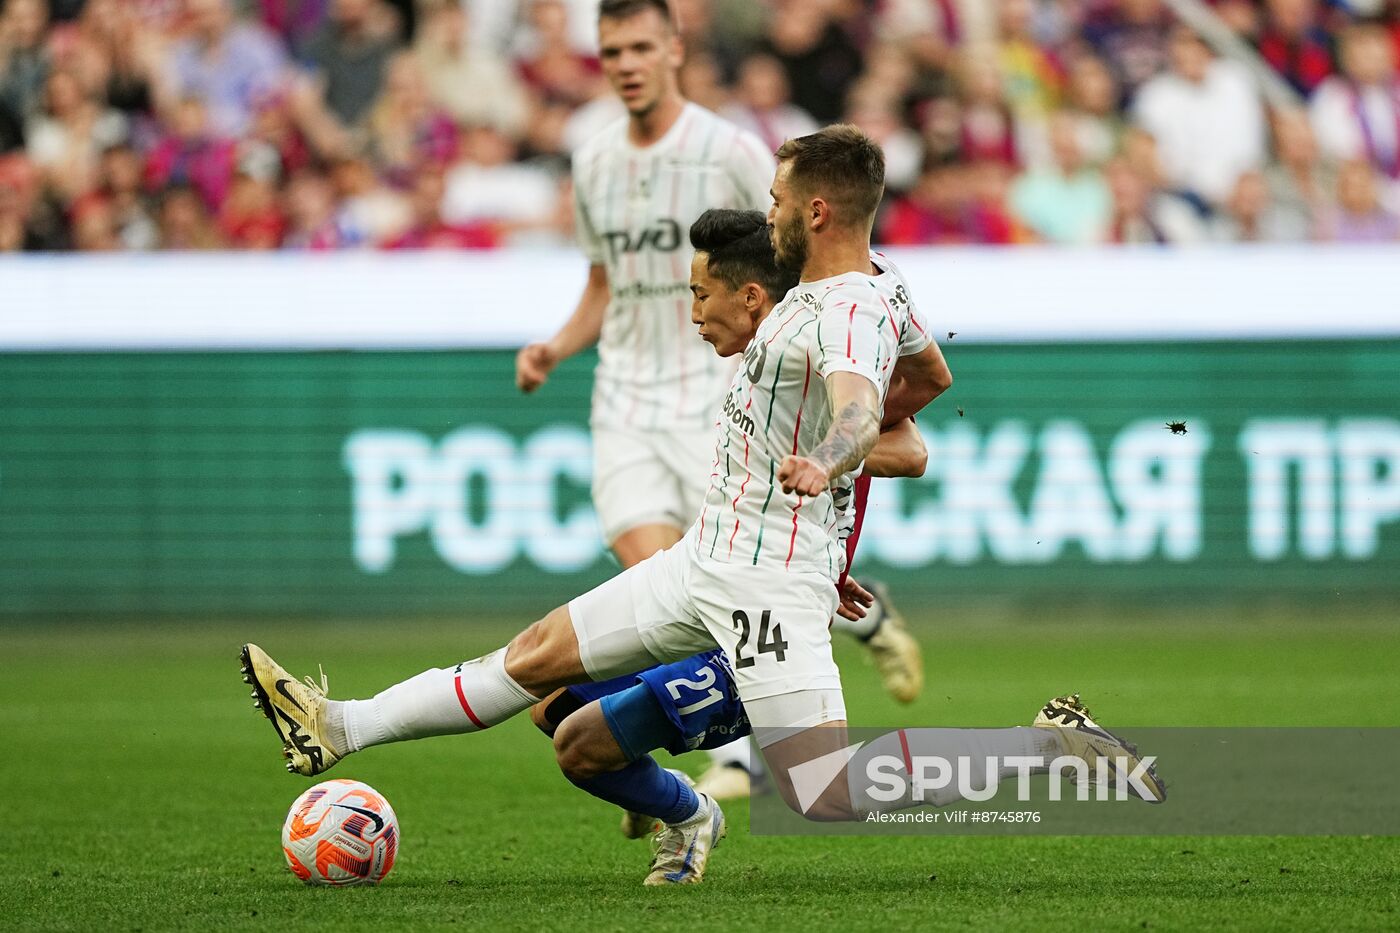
(341, 832)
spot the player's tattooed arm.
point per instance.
(855, 428)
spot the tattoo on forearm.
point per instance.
(850, 439)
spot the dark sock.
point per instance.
(645, 787)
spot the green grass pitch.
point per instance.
(145, 793)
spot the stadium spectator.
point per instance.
(92, 224)
(406, 129)
(1206, 117)
(988, 129)
(348, 55)
(1067, 203)
(276, 126)
(184, 221)
(133, 57)
(551, 65)
(871, 111)
(474, 84)
(294, 21)
(226, 64)
(1247, 215)
(702, 81)
(763, 103)
(121, 184)
(1092, 104)
(1356, 114)
(944, 208)
(251, 217)
(487, 186)
(24, 62)
(429, 230)
(1358, 216)
(929, 29)
(1033, 77)
(940, 125)
(191, 155)
(67, 139)
(378, 211)
(314, 220)
(821, 60)
(1133, 220)
(1299, 183)
(1131, 35)
(506, 25)
(1295, 45)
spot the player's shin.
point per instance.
(443, 701)
(644, 787)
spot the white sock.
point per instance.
(444, 701)
(860, 628)
(735, 753)
(950, 744)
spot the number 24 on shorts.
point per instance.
(766, 645)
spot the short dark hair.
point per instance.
(839, 164)
(741, 251)
(622, 9)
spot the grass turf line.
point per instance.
(148, 793)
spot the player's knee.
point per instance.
(831, 807)
(576, 752)
(545, 655)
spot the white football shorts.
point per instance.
(773, 625)
(649, 478)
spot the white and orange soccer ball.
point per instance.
(341, 832)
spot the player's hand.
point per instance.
(533, 364)
(855, 600)
(803, 475)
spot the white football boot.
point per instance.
(681, 850)
(296, 710)
(896, 653)
(639, 825)
(1079, 736)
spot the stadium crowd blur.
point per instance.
(335, 124)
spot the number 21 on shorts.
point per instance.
(770, 638)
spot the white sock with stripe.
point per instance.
(444, 701)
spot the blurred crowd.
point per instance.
(333, 124)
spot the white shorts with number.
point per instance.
(773, 625)
(649, 478)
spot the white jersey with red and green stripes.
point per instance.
(777, 405)
(633, 210)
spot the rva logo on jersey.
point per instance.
(1006, 494)
(664, 237)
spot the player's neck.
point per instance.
(847, 255)
(647, 129)
(762, 315)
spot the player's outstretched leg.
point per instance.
(317, 732)
(894, 650)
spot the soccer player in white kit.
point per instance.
(756, 574)
(638, 186)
